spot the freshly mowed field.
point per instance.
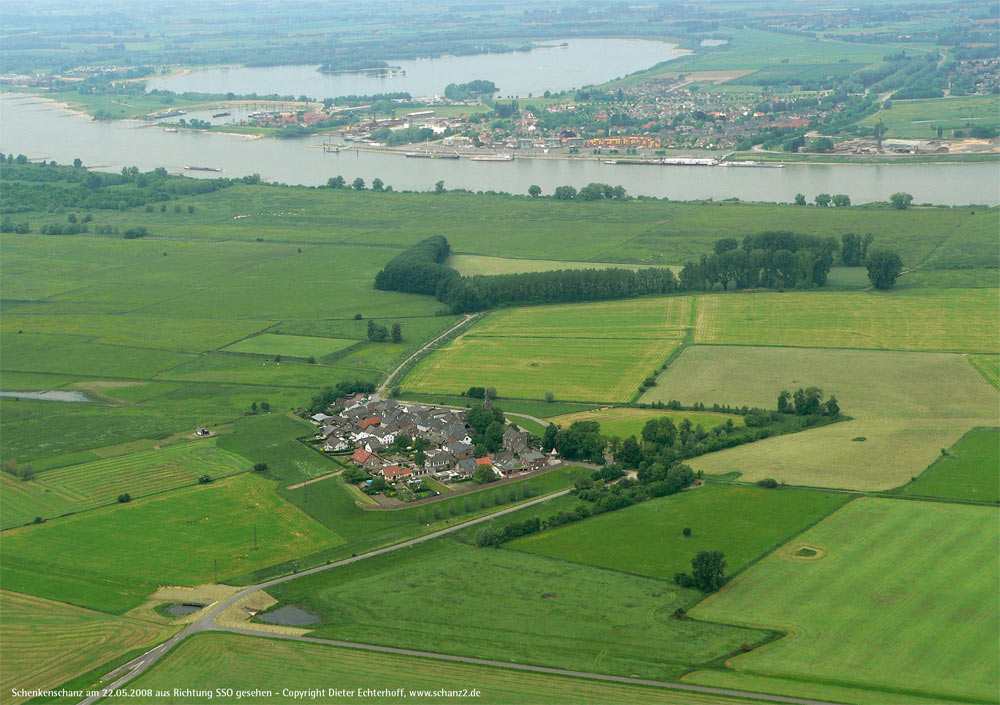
(907, 406)
(111, 558)
(584, 352)
(100, 482)
(208, 661)
(47, 643)
(989, 366)
(912, 320)
(289, 345)
(437, 596)
(470, 265)
(625, 422)
(921, 118)
(919, 576)
(742, 522)
(971, 470)
(582, 370)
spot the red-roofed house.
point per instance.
(484, 461)
(360, 456)
(394, 472)
(371, 421)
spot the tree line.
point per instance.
(774, 259)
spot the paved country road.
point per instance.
(385, 385)
(140, 664)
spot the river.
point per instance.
(43, 130)
(554, 67)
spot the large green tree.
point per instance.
(883, 268)
(708, 569)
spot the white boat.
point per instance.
(170, 129)
(492, 158)
(683, 161)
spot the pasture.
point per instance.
(936, 606)
(77, 487)
(968, 471)
(911, 320)
(584, 352)
(111, 558)
(289, 345)
(208, 661)
(647, 538)
(624, 422)
(906, 406)
(47, 643)
(435, 596)
(920, 118)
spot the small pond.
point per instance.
(288, 616)
(48, 396)
(181, 610)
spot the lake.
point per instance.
(43, 130)
(48, 396)
(553, 67)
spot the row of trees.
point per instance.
(377, 333)
(775, 259)
(476, 293)
(591, 192)
(421, 270)
(807, 402)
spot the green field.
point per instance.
(110, 559)
(936, 605)
(906, 406)
(435, 596)
(742, 522)
(968, 471)
(208, 661)
(47, 643)
(989, 365)
(88, 485)
(586, 352)
(914, 320)
(921, 118)
(289, 345)
(625, 422)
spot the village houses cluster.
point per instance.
(370, 427)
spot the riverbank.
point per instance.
(769, 159)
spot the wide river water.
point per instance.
(580, 62)
(43, 130)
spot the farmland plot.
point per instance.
(47, 643)
(586, 352)
(93, 484)
(909, 601)
(913, 320)
(905, 407)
